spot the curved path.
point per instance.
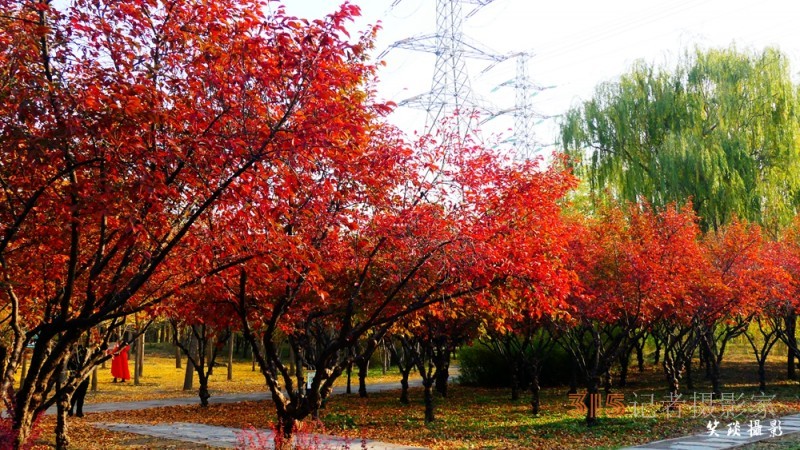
(219, 399)
(225, 437)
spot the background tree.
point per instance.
(632, 268)
(525, 346)
(402, 347)
(750, 280)
(430, 336)
(207, 330)
(788, 248)
(721, 129)
(776, 300)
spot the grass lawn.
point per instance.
(161, 379)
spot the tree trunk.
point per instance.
(136, 361)
(24, 403)
(535, 388)
(657, 353)
(140, 354)
(442, 363)
(363, 367)
(791, 338)
(689, 377)
(716, 384)
(210, 343)
(573, 377)
(285, 432)
(762, 375)
(672, 374)
(188, 377)
(94, 379)
(404, 387)
(62, 428)
(592, 397)
(177, 351)
(24, 368)
(640, 356)
(429, 417)
(705, 358)
(624, 362)
(204, 393)
(62, 408)
(349, 378)
(23, 425)
(385, 358)
(136, 370)
(230, 357)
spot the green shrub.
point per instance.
(482, 366)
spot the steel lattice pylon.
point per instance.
(523, 112)
(523, 116)
(451, 91)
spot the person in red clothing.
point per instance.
(119, 364)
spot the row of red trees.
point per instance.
(228, 165)
(625, 275)
(633, 276)
(222, 161)
(653, 274)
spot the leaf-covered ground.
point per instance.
(469, 418)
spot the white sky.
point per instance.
(576, 43)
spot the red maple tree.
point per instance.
(439, 226)
(750, 280)
(122, 125)
(633, 265)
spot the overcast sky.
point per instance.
(576, 43)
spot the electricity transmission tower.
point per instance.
(523, 112)
(451, 93)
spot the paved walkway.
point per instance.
(225, 437)
(230, 437)
(705, 441)
(221, 398)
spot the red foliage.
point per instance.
(747, 268)
(636, 266)
(127, 125)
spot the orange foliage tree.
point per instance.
(632, 264)
(389, 231)
(749, 281)
(788, 256)
(778, 302)
(124, 124)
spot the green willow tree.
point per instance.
(720, 129)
